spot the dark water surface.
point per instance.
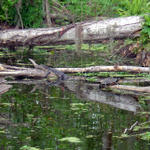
(70, 116)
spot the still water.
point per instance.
(72, 115)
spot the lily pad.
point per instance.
(71, 139)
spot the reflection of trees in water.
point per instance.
(45, 114)
(84, 91)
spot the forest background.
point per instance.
(23, 14)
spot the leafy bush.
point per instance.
(137, 7)
(133, 7)
(145, 36)
(7, 10)
(32, 14)
(92, 8)
(82, 9)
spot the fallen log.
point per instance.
(134, 69)
(93, 31)
(21, 71)
(41, 71)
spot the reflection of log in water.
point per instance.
(92, 93)
(107, 141)
(3, 87)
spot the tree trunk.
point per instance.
(78, 38)
(47, 14)
(19, 17)
(94, 31)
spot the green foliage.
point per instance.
(133, 7)
(79, 107)
(7, 10)
(32, 14)
(28, 148)
(32, 11)
(145, 36)
(83, 9)
(142, 126)
(92, 79)
(146, 136)
(137, 7)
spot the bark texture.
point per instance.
(93, 31)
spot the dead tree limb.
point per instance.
(18, 8)
(134, 69)
(6, 70)
(42, 71)
(47, 13)
(92, 31)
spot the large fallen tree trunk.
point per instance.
(93, 31)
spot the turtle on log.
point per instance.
(108, 81)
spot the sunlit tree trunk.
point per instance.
(78, 38)
(19, 17)
(46, 8)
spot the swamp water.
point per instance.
(72, 115)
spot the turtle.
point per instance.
(108, 81)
